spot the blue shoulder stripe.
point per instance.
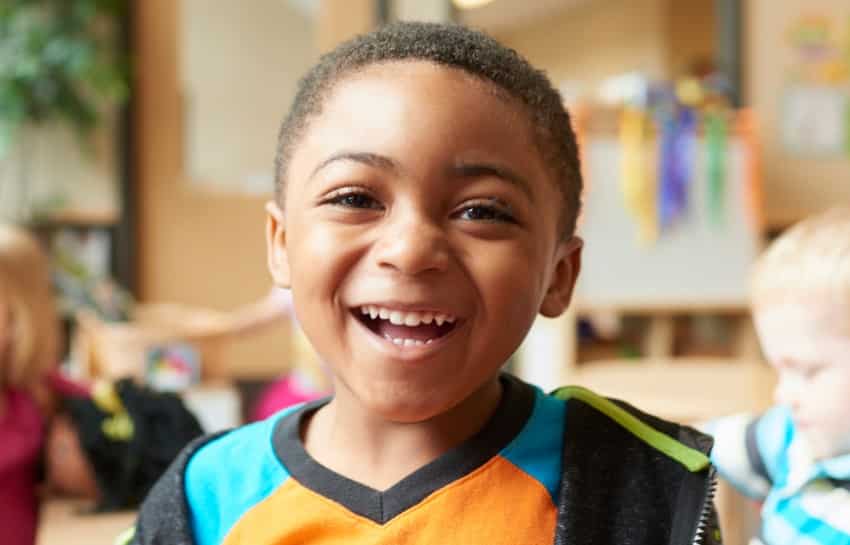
(773, 434)
(228, 476)
(538, 447)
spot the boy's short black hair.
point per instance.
(453, 46)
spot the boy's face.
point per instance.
(420, 237)
(803, 342)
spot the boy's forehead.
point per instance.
(804, 331)
(810, 314)
(428, 87)
(382, 107)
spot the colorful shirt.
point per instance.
(293, 499)
(565, 468)
(805, 502)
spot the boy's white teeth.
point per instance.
(410, 319)
(408, 342)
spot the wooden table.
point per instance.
(64, 522)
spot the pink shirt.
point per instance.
(21, 438)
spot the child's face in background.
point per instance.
(419, 195)
(812, 356)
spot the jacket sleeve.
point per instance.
(164, 517)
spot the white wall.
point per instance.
(239, 66)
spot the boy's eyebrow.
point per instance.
(364, 157)
(463, 169)
(476, 170)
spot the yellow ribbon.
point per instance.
(639, 184)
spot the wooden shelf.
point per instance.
(84, 218)
(667, 332)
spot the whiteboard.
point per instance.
(698, 262)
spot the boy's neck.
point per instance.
(355, 443)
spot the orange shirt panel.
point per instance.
(498, 504)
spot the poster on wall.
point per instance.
(816, 120)
(815, 117)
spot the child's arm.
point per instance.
(277, 305)
(247, 319)
(748, 449)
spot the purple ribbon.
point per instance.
(676, 165)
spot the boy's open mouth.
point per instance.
(404, 328)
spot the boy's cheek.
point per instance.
(830, 409)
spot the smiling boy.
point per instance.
(427, 192)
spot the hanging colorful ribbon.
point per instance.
(638, 185)
(678, 141)
(715, 157)
(746, 128)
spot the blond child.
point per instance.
(796, 457)
(427, 190)
(28, 351)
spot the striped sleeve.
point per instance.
(749, 452)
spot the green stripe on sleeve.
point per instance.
(692, 459)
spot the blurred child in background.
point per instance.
(28, 351)
(796, 457)
(107, 443)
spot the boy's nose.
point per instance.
(413, 246)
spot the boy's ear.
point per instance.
(276, 256)
(567, 267)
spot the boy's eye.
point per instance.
(353, 199)
(490, 211)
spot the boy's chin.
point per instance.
(409, 401)
(403, 411)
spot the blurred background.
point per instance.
(137, 140)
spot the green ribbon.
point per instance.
(715, 154)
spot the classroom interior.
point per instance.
(154, 219)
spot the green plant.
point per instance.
(59, 61)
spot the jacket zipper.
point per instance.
(707, 508)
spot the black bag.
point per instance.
(131, 447)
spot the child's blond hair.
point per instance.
(27, 300)
(809, 262)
